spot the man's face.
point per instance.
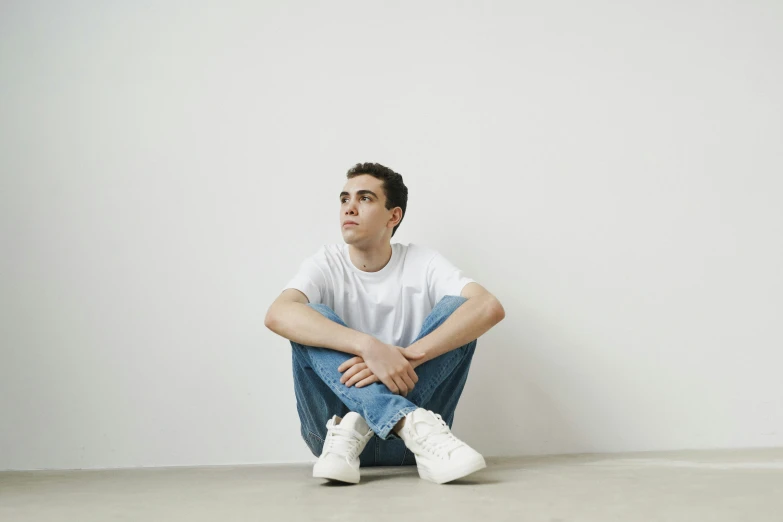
(363, 201)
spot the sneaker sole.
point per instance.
(338, 474)
(452, 473)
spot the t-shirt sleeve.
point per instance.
(310, 280)
(443, 278)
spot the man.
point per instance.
(382, 335)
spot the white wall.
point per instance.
(612, 172)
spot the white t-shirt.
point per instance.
(390, 304)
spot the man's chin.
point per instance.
(350, 239)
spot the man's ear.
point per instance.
(396, 215)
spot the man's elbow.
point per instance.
(496, 310)
(270, 321)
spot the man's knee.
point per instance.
(440, 313)
(450, 302)
(445, 307)
(326, 312)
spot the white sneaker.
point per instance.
(440, 456)
(345, 440)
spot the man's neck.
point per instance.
(370, 260)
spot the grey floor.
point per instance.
(674, 486)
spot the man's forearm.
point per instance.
(468, 322)
(301, 324)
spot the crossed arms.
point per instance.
(394, 366)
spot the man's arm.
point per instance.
(468, 322)
(290, 317)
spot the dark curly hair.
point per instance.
(395, 190)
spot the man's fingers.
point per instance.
(350, 362)
(412, 375)
(401, 385)
(408, 381)
(359, 376)
(353, 370)
(369, 380)
(390, 384)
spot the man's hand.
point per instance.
(389, 364)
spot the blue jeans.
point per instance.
(320, 394)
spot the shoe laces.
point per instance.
(342, 441)
(440, 440)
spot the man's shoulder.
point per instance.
(419, 253)
(325, 256)
(331, 249)
(327, 250)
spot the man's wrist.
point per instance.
(360, 343)
(418, 347)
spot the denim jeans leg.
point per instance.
(315, 403)
(381, 408)
(441, 380)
